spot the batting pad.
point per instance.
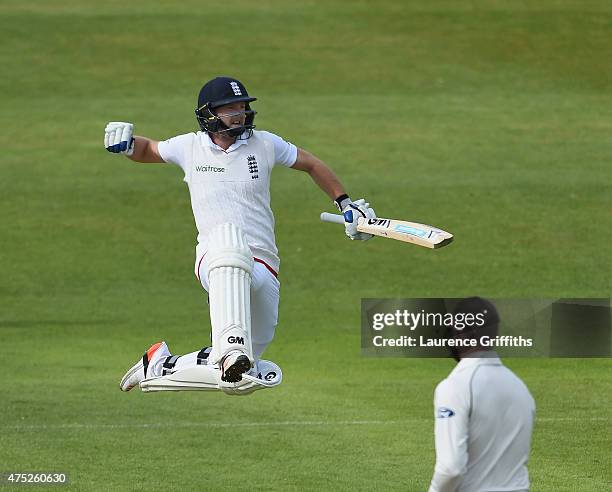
(208, 378)
(229, 263)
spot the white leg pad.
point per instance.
(208, 378)
(229, 263)
(197, 378)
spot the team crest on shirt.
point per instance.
(253, 168)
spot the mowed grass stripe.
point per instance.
(411, 421)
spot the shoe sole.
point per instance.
(234, 373)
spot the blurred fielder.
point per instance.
(227, 167)
(483, 417)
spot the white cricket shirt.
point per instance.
(483, 421)
(231, 185)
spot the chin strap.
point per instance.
(235, 132)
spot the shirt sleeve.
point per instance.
(285, 153)
(175, 150)
(451, 412)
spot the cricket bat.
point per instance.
(409, 232)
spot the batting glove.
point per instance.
(118, 137)
(351, 212)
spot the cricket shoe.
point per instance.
(144, 367)
(233, 366)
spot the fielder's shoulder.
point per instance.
(457, 382)
(443, 386)
(452, 394)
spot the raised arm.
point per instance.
(145, 150)
(119, 139)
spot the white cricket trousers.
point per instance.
(265, 295)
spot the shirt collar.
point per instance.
(206, 140)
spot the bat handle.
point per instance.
(334, 218)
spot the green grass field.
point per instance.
(490, 119)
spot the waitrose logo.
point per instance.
(209, 169)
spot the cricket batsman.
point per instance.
(483, 416)
(227, 167)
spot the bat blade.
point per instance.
(400, 230)
(409, 232)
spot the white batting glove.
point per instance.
(351, 212)
(118, 137)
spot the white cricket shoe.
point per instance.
(233, 366)
(143, 368)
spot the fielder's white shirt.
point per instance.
(483, 421)
(231, 185)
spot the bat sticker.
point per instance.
(404, 229)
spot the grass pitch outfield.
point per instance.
(490, 119)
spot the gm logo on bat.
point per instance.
(379, 222)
